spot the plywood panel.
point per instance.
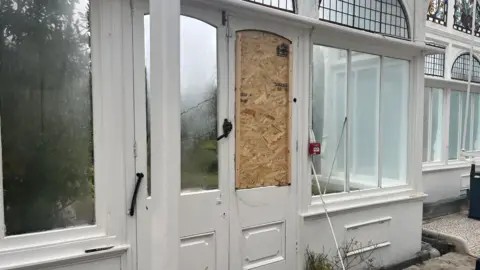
(263, 110)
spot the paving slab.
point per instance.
(449, 261)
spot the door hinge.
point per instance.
(226, 23)
(135, 149)
(296, 145)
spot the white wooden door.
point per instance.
(262, 219)
(204, 177)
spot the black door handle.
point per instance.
(131, 212)
(227, 128)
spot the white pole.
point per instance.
(470, 71)
(165, 130)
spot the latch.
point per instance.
(227, 128)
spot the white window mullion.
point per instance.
(379, 124)
(347, 127)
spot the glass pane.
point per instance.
(426, 122)
(453, 124)
(394, 121)
(437, 125)
(46, 115)
(328, 115)
(468, 137)
(363, 121)
(199, 105)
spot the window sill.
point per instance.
(435, 167)
(58, 254)
(349, 201)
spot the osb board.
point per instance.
(263, 110)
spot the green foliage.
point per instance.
(314, 261)
(358, 260)
(46, 112)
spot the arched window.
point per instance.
(286, 5)
(437, 11)
(462, 17)
(387, 17)
(461, 65)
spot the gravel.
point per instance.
(458, 225)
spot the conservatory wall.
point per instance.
(112, 92)
(445, 172)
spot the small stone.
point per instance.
(434, 253)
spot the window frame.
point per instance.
(315, 201)
(448, 86)
(110, 211)
(264, 4)
(382, 25)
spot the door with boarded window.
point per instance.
(262, 223)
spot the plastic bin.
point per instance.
(474, 194)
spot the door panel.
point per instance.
(204, 163)
(262, 219)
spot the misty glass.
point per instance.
(394, 121)
(46, 115)
(328, 117)
(454, 126)
(198, 80)
(363, 121)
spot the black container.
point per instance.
(474, 194)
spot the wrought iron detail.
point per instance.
(437, 11)
(461, 65)
(285, 5)
(435, 63)
(386, 17)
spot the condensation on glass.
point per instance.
(433, 125)
(198, 80)
(437, 11)
(363, 122)
(394, 121)
(286, 5)
(454, 125)
(383, 17)
(378, 108)
(463, 16)
(461, 66)
(328, 117)
(46, 115)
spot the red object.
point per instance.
(314, 149)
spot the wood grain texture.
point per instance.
(263, 110)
